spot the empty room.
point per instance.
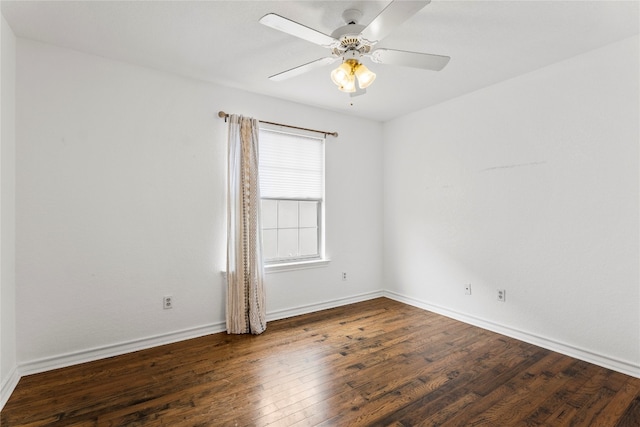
(337, 213)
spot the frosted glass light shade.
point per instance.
(365, 76)
(340, 76)
(349, 85)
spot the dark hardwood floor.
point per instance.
(375, 363)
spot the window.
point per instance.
(292, 192)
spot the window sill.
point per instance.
(291, 266)
(300, 265)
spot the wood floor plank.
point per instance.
(378, 362)
(523, 391)
(576, 375)
(576, 405)
(460, 382)
(631, 416)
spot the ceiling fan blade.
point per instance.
(403, 58)
(295, 29)
(391, 17)
(301, 69)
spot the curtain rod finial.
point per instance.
(222, 114)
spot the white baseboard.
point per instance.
(8, 385)
(90, 355)
(311, 308)
(622, 366)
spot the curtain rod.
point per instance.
(224, 116)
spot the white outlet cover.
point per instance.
(167, 302)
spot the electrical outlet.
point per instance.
(467, 289)
(167, 302)
(502, 295)
(344, 276)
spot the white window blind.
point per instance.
(291, 166)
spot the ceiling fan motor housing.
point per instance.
(349, 36)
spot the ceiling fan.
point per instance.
(353, 42)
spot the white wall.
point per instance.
(530, 185)
(121, 200)
(8, 361)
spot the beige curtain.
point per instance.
(245, 270)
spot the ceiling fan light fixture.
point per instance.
(365, 76)
(345, 75)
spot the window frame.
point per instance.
(300, 261)
(319, 244)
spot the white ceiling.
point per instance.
(222, 42)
